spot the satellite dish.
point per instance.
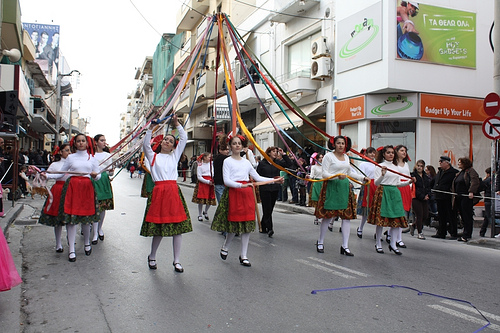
(14, 54)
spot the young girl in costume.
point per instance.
(166, 211)
(236, 210)
(9, 277)
(336, 198)
(316, 173)
(387, 208)
(78, 198)
(50, 213)
(368, 191)
(204, 193)
(102, 186)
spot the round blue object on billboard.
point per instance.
(410, 46)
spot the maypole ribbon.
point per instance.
(376, 164)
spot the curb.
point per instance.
(10, 217)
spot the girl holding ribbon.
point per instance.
(78, 199)
(236, 210)
(103, 187)
(336, 198)
(387, 209)
(50, 213)
(166, 210)
(368, 191)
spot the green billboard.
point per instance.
(435, 34)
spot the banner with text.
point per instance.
(452, 108)
(350, 109)
(435, 34)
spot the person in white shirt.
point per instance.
(368, 191)
(50, 213)
(236, 210)
(316, 173)
(336, 198)
(102, 186)
(387, 208)
(166, 211)
(204, 192)
(78, 199)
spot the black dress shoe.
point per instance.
(89, 251)
(346, 251)
(101, 237)
(70, 258)
(270, 233)
(401, 245)
(359, 233)
(245, 262)
(379, 249)
(396, 251)
(94, 242)
(462, 239)
(151, 265)
(387, 237)
(438, 236)
(320, 248)
(177, 267)
(60, 250)
(223, 254)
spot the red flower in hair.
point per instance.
(156, 141)
(56, 151)
(332, 140)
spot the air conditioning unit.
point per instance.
(320, 68)
(319, 48)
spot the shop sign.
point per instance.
(350, 109)
(391, 106)
(453, 108)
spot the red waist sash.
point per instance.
(166, 204)
(241, 204)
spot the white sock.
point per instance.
(207, 207)
(58, 232)
(362, 223)
(101, 221)
(95, 227)
(154, 246)
(86, 234)
(378, 236)
(245, 239)
(399, 235)
(346, 230)
(71, 231)
(200, 209)
(394, 236)
(228, 240)
(323, 228)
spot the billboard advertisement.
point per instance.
(394, 105)
(435, 34)
(452, 108)
(45, 37)
(359, 38)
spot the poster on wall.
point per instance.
(391, 106)
(45, 37)
(359, 37)
(435, 34)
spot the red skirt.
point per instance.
(80, 197)
(373, 188)
(406, 196)
(56, 191)
(241, 206)
(206, 191)
(166, 204)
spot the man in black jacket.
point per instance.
(443, 182)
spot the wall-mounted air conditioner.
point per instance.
(319, 48)
(320, 68)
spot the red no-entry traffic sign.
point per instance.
(491, 104)
(491, 128)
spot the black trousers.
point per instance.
(446, 215)
(466, 208)
(268, 200)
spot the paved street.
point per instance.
(114, 291)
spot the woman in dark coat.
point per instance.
(423, 192)
(465, 184)
(269, 193)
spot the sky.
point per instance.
(106, 41)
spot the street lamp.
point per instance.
(58, 104)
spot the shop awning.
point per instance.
(283, 122)
(41, 125)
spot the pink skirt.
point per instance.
(8, 273)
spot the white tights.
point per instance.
(200, 208)
(97, 226)
(346, 229)
(176, 244)
(245, 239)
